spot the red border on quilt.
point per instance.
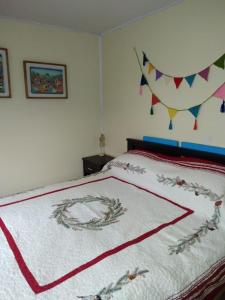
(30, 277)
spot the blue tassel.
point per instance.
(171, 125)
(151, 111)
(222, 108)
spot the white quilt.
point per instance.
(144, 228)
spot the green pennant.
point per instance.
(220, 62)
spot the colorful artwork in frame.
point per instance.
(45, 80)
(5, 91)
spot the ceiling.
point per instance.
(94, 16)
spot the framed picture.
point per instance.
(45, 80)
(5, 91)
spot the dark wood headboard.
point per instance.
(133, 144)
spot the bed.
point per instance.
(149, 226)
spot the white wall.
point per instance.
(43, 141)
(181, 40)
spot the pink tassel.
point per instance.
(141, 90)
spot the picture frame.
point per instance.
(5, 88)
(45, 80)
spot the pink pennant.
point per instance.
(204, 73)
(220, 92)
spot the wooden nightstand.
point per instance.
(93, 164)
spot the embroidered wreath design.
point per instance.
(110, 216)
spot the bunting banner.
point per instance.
(172, 111)
(204, 74)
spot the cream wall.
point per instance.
(181, 40)
(42, 141)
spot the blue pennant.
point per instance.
(195, 110)
(190, 79)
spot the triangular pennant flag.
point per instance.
(150, 68)
(222, 108)
(155, 99)
(142, 83)
(167, 79)
(143, 80)
(195, 110)
(204, 73)
(177, 81)
(220, 92)
(145, 59)
(158, 74)
(220, 62)
(172, 112)
(190, 79)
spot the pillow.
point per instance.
(205, 148)
(160, 141)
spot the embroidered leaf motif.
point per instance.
(190, 187)
(107, 292)
(125, 166)
(64, 217)
(189, 240)
(208, 225)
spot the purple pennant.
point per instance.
(204, 73)
(158, 74)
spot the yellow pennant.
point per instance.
(150, 68)
(172, 112)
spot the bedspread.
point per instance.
(143, 228)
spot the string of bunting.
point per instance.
(172, 112)
(178, 79)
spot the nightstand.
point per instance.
(93, 164)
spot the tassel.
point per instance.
(222, 108)
(151, 111)
(196, 125)
(141, 90)
(171, 125)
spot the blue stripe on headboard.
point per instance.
(160, 141)
(205, 148)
